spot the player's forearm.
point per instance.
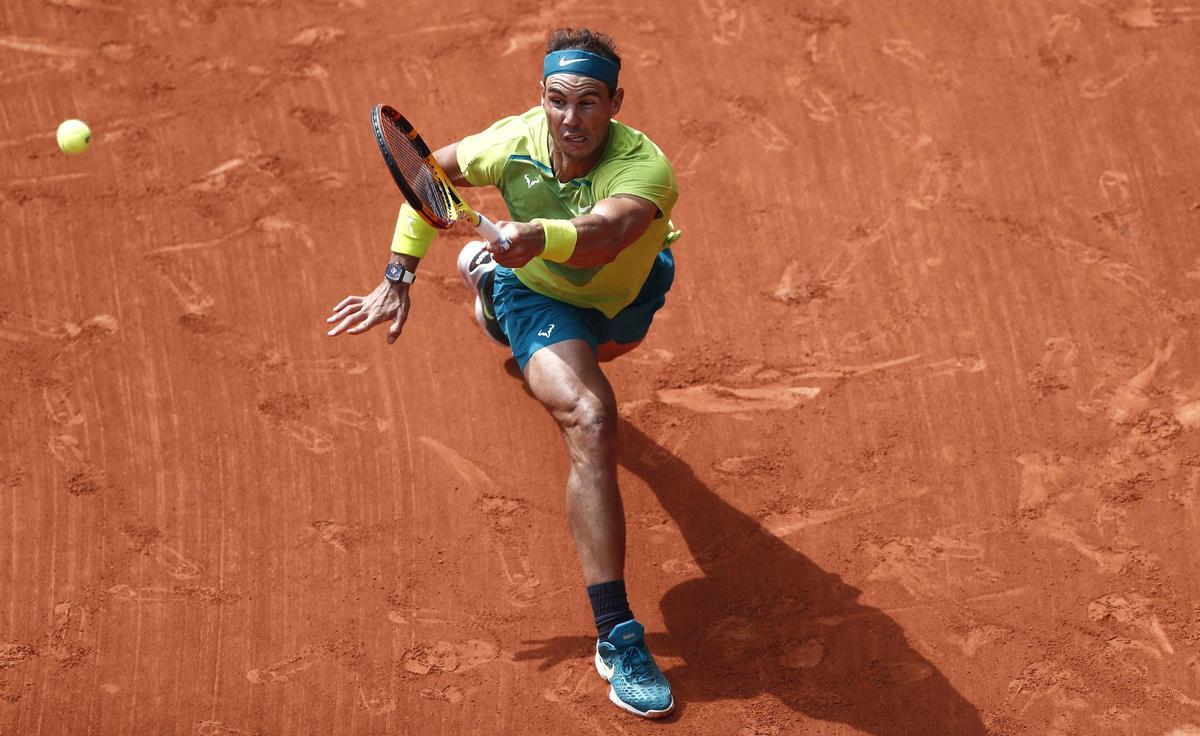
(599, 240)
(409, 262)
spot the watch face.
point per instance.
(394, 272)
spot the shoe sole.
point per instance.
(612, 695)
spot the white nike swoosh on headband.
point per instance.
(568, 62)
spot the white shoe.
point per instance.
(473, 262)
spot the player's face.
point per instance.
(579, 110)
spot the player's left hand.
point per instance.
(357, 314)
(526, 242)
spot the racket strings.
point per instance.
(416, 172)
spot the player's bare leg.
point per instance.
(568, 381)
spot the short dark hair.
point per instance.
(584, 39)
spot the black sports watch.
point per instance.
(398, 274)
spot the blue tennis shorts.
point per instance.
(532, 321)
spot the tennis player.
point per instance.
(587, 267)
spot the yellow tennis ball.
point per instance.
(74, 136)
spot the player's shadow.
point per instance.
(762, 618)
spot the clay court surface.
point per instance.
(914, 447)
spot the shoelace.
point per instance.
(636, 665)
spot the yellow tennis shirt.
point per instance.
(513, 155)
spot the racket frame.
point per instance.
(459, 209)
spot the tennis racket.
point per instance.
(423, 182)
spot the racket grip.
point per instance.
(488, 229)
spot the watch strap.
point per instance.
(398, 274)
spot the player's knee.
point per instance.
(590, 425)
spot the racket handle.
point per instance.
(488, 229)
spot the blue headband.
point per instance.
(583, 63)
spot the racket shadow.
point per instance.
(764, 618)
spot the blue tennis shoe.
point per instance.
(637, 684)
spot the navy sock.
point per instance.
(609, 605)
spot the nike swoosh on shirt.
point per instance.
(568, 62)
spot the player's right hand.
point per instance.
(526, 242)
(357, 314)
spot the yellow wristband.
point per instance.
(560, 239)
(413, 234)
